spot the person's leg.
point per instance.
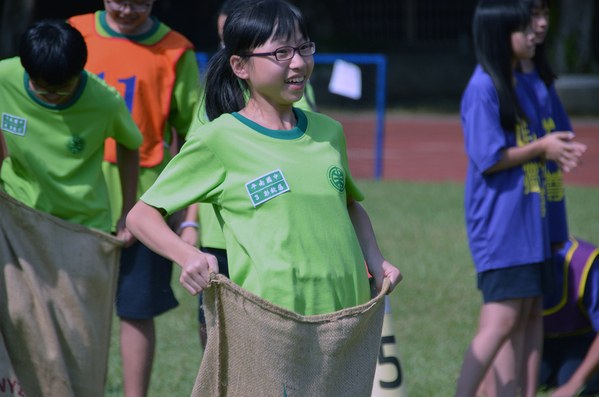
(138, 340)
(502, 378)
(533, 349)
(143, 292)
(498, 321)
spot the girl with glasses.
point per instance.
(278, 177)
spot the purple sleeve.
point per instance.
(484, 137)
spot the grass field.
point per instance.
(420, 228)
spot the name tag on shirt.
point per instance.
(267, 187)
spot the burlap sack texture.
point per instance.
(256, 348)
(57, 288)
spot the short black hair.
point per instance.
(52, 50)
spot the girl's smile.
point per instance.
(279, 82)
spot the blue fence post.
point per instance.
(381, 98)
(202, 58)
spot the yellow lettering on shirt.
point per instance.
(548, 125)
(532, 178)
(555, 185)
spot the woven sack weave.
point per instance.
(256, 348)
(57, 288)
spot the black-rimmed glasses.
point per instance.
(287, 52)
(120, 6)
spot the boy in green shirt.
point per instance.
(55, 119)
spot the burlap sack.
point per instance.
(57, 288)
(256, 348)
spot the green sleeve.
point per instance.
(194, 175)
(185, 97)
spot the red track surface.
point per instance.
(431, 148)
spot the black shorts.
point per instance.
(516, 282)
(144, 287)
(223, 268)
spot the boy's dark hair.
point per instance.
(52, 50)
(250, 24)
(492, 27)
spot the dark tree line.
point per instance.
(574, 40)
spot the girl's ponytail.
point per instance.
(223, 92)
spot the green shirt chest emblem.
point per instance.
(336, 178)
(75, 145)
(13, 124)
(267, 187)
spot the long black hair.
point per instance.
(250, 24)
(492, 27)
(540, 59)
(52, 50)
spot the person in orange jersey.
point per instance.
(155, 70)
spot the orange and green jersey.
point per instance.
(157, 74)
(159, 84)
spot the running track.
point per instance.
(431, 148)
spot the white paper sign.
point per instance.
(346, 79)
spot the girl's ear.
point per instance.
(239, 67)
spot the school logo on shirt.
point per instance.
(267, 187)
(75, 145)
(13, 124)
(336, 178)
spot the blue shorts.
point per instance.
(524, 281)
(144, 286)
(561, 357)
(223, 268)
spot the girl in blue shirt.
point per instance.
(504, 198)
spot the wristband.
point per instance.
(186, 224)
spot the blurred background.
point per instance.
(428, 43)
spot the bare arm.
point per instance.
(556, 146)
(378, 267)
(147, 224)
(189, 233)
(583, 374)
(128, 164)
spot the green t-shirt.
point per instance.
(281, 196)
(56, 151)
(211, 234)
